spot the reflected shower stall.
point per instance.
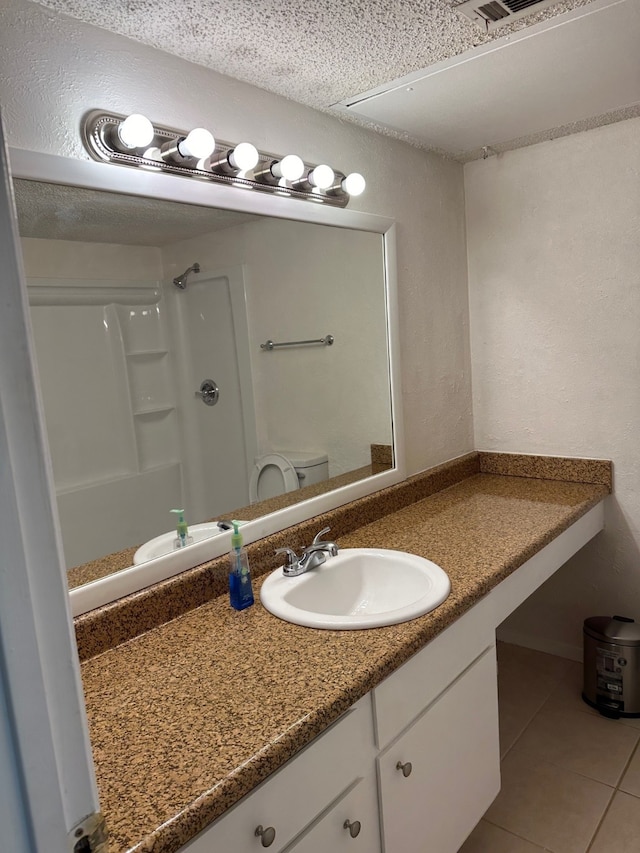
(121, 364)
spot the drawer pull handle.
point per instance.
(267, 835)
(406, 768)
(354, 827)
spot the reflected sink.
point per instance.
(161, 545)
(358, 588)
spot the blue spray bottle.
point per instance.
(240, 592)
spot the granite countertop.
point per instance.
(188, 717)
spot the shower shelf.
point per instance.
(146, 353)
(153, 410)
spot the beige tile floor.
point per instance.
(570, 777)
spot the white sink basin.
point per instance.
(162, 545)
(359, 588)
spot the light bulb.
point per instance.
(199, 143)
(354, 184)
(153, 153)
(321, 177)
(136, 131)
(291, 168)
(244, 156)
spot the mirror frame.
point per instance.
(48, 168)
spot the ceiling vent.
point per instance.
(496, 13)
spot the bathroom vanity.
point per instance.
(218, 725)
(425, 782)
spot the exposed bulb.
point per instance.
(199, 143)
(354, 184)
(153, 153)
(321, 177)
(244, 156)
(291, 168)
(136, 131)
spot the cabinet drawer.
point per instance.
(454, 776)
(298, 792)
(401, 697)
(358, 805)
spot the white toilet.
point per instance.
(276, 473)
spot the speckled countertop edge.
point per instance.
(566, 468)
(373, 657)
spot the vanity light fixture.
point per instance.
(291, 168)
(134, 141)
(136, 131)
(321, 177)
(288, 170)
(354, 184)
(242, 158)
(198, 144)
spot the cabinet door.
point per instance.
(300, 791)
(350, 825)
(438, 779)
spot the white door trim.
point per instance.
(39, 669)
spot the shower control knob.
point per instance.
(209, 392)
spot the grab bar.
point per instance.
(327, 341)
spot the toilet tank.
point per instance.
(310, 467)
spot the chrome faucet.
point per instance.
(312, 556)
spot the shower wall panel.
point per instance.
(107, 385)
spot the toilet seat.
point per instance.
(285, 470)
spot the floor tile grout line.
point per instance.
(515, 834)
(601, 821)
(515, 740)
(626, 766)
(612, 785)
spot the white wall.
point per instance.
(554, 277)
(329, 284)
(53, 70)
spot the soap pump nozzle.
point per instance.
(236, 536)
(182, 530)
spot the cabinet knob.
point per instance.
(267, 835)
(406, 768)
(354, 827)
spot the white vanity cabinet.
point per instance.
(351, 825)
(303, 793)
(437, 713)
(440, 776)
(436, 726)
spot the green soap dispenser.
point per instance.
(240, 592)
(182, 531)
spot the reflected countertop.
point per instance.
(107, 565)
(189, 716)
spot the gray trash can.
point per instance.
(612, 665)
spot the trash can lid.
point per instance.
(613, 629)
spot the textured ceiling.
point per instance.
(321, 52)
(318, 52)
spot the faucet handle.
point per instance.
(292, 557)
(318, 537)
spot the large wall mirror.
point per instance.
(152, 310)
